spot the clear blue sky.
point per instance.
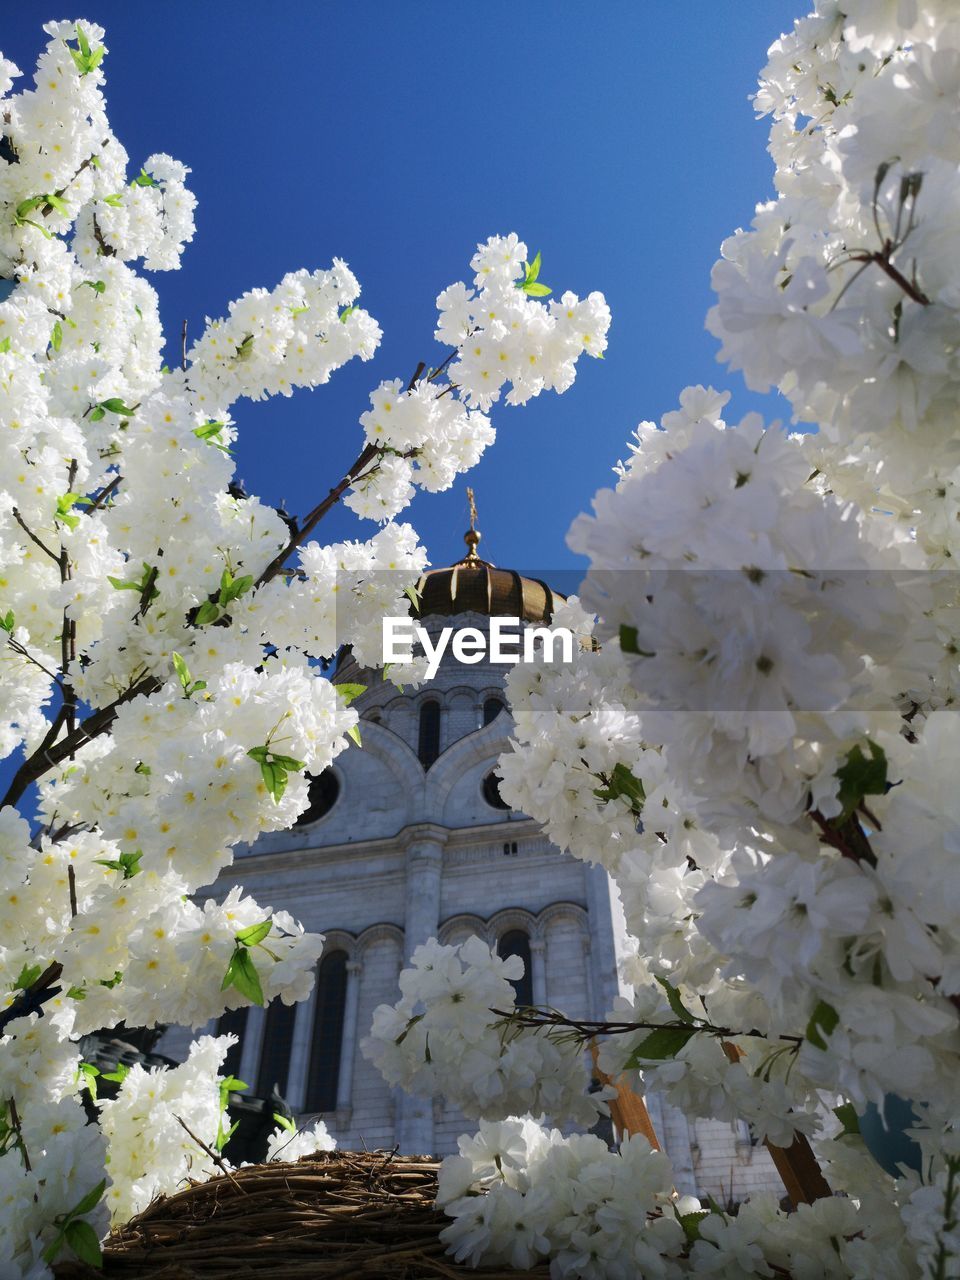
(616, 138)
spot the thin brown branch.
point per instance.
(41, 761)
(183, 346)
(22, 652)
(847, 837)
(541, 1018)
(105, 493)
(33, 537)
(217, 1159)
(15, 1121)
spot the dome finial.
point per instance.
(472, 536)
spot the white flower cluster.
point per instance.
(845, 291)
(160, 632)
(762, 751)
(430, 431)
(519, 1194)
(151, 1152)
(444, 1036)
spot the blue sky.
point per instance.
(616, 138)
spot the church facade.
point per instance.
(407, 838)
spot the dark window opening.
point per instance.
(233, 1022)
(517, 943)
(321, 797)
(491, 792)
(275, 1051)
(428, 745)
(324, 1075)
(510, 848)
(491, 709)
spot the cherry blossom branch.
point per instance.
(33, 537)
(356, 472)
(544, 1018)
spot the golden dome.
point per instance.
(473, 585)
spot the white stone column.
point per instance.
(252, 1043)
(348, 1040)
(538, 973)
(424, 864)
(300, 1052)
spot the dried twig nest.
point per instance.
(334, 1214)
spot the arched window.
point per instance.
(321, 797)
(516, 943)
(275, 1050)
(233, 1022)
(491, 792)
(428, 745)
(491, 709)
(324, 1075)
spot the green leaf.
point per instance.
(118, 1076)
(64, 503)
(29, 222)
(861, 777)
(209, 430)
(691, 1223)
(115, 201)
(232, 588)
(354, 733)
(4, 346)
(533, 270)
(665, 1042)
(676, 1004)
(122, 585)
(824, 1019)
(208, 612)
(629, 642)
(623, 783)
(84, 1242)
(285, 1123)
(254, 933)
(346, 313)
(96, 415)
(350, 691)
(28, 976)
(90, 1200)
(110, 983)
(848, 1117)
(7, 621)
(83, 42)
(222, 1137)
(56, 337)
(536, 290)
(242, 974)
(98, 286)
(28, 206)
(230, 1084)
(274, 778)
(76, 993)
(143, 179)
(245, 347)
(298, 311)
(115, 405)
(90, 1073)
(286, 762)
(413, 595)
(182, 670)
(55, 202)
(128, 863)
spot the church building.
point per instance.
(407, 838)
